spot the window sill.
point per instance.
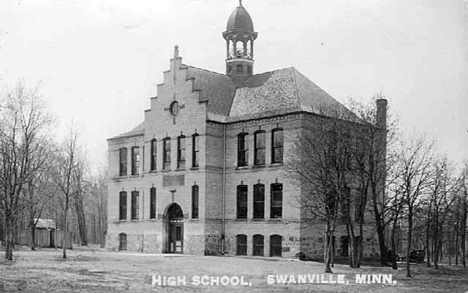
(195, 168)
(180, 169)
(152, 171)
(121, 221)
(153, 219)
(275, 220)
(242, 167)
(194, 220)
(258, 219)
(276, 164)
(258, 166)
(134, 176)
(135, 220)
(165, 170)
(241, 220)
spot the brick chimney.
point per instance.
(381, 119)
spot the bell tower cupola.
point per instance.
(240, 37)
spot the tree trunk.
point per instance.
(81, 220)
(65, 234)
(380, 230)
(9, 240)
(463, 230)
(33, 236)
(408, 248)
(328, 248)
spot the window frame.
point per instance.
(122, 206)
(152, 214)
(259, 201)
(123, 161)
(275, 148)
(244, 206)
(274, 203)
(135, 212)
(195, 150)
(154, 154)
(167, 153)
(122, 241)
(259, 151)
(135, 160)
(257, 244)
(195, 201)
(274, 247)
(181, 152)
(242, 152)
(241, 248)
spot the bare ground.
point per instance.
(100, 271)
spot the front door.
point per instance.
(176, 239)
(175, 229)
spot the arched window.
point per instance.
(123, 205)
(259, 154)
(258, 245)
(241, 244)
(167, 153)
(181, 152)
(277, 143)
(242, 201)
(275, 245)
(195, 150)
(259, 201)
(242, 149)
(123, 162)
(195, 202)
(152, 203)
(122, 241)
(153, 154)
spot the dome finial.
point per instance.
(176, 51)
(240, 3)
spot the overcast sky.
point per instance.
(99, 61)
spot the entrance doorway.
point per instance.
(175, 229)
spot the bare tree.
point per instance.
(414, 168)
(68, 161)
(24, 122)
(374, 162)
(321, 165)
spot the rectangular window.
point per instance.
(181, 152)
(239, 69)
(123, 162)
(276, 200)
(135, 160)
(167, 154)
(259, 201)
(242, 150)
(259, 155)
(277, 146)
(242, 202)
(195, 202)
(152, 203)
(195, 150)
(122, 205)
(153, 154)
(135, 205)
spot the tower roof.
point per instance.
(240, 20)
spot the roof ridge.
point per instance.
(297, 88)
(210, 71)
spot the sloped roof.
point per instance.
(280, 92)
(45, 223)
(215, 88)
(139, 130)
(266, 94)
